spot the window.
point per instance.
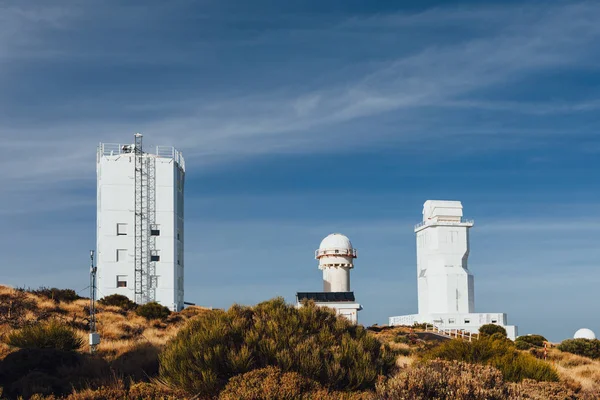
(450, 320)
(121, 229)
(467, 321)
(494, 321)
(121, 255)
(121, 281)
(178, 234)
(154, 256)
(154, 230)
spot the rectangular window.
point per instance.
(467, 321)
(154, 256)
(154, 230)
(494, 321)
(121, 281)
(121, 255)
(121, 229)
(451, 320)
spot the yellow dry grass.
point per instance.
(581, 370)
(120, 331)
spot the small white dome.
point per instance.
(584, 333)
(336, 241)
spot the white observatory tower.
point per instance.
(140, 222)
(336, 258)
(445, 284)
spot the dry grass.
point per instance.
(120, 330)
(584, 371)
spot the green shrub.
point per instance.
(118, 300)
(445, 380)
(583, 347)
(153, 311)
(311, 341)
(529, 341)
(65, 295)
(502, 354)
(490, 329)
(47, 335)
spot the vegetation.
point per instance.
(583, 347)
(499, 353)
(46, 335)
(127, 365)
(530, 341)
(491, 329)
(118, 300)
(153, 311)
(311, 341)
(443, 380)
(65, 295)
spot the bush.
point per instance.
(47, 335)
(311, 341)
(530, 389)
(529, 341)
(118, 300)
(65, 295)
(138, 363)
(583, 347)
(490, 329)
(502, 354)
(268, 383)
(49, 371)
(13, 306)
(442, 380)
(153, 310)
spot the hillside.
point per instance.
(270, 350)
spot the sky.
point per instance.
(302, 118)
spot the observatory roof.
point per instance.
(323, 297)
(336, 241)
(442, 209)
(584, 333)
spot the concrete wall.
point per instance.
(116, 223)
(469, 322)
(445, 284)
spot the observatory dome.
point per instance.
(584, 333)
(336, 241)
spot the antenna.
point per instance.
(94, 336)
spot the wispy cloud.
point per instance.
(520, 43)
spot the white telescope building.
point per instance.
(445, 284)
(336, 258)
(140, 223)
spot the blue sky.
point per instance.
(302, 118)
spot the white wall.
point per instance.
(445, 284)
(115, 205)
(336, 279)
(469, 322)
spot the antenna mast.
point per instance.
(94, 336)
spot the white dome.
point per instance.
(336, 241)
(584, 333)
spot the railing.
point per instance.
(115, 149)
(444, 222)
(452, 333)
(335, 252)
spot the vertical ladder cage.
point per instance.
(145, 218)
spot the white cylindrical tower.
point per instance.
(336, 258)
